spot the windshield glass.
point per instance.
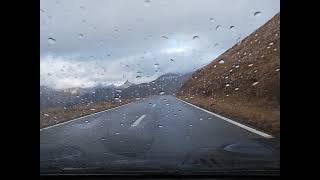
(160, 87)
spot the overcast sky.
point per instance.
(85, 43)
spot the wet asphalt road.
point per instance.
(160, 127)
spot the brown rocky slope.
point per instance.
(244, 82)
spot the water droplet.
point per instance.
(46, 115)
(167, 104)
(250, 65)
(257, 13)
(121, 124)
(138, 77)
(86, 121)
(195, 37)
(160, 126)
(231, 27)
(209, 117)
(218, 27)
(52, 40)
(270, 44)
(80, 35)
(277, 69)
(190, 125)
(103, 139)
(236, 89)
(221, 61)
(165, 37)
(255, 83)
(161, 92)
(172, 60)
(117, 133)
(200, 119)
(237, 66)
(227, 85)
(92, 109)
(212, 19)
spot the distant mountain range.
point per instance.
(166, 84)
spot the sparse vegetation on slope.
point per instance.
(244, 82)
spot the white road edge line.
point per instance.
(81, 117)
(231, 121)
(136, 123)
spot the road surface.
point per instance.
(160, 130)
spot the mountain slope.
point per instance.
(244, 82)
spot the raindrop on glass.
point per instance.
(257, 14)
(52, 40)
(255, 83)
(80, 35)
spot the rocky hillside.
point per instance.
(244, 82)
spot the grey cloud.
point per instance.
(120, 33)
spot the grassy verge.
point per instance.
(52, 116)
(257, 114)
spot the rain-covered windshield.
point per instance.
(159, 86)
